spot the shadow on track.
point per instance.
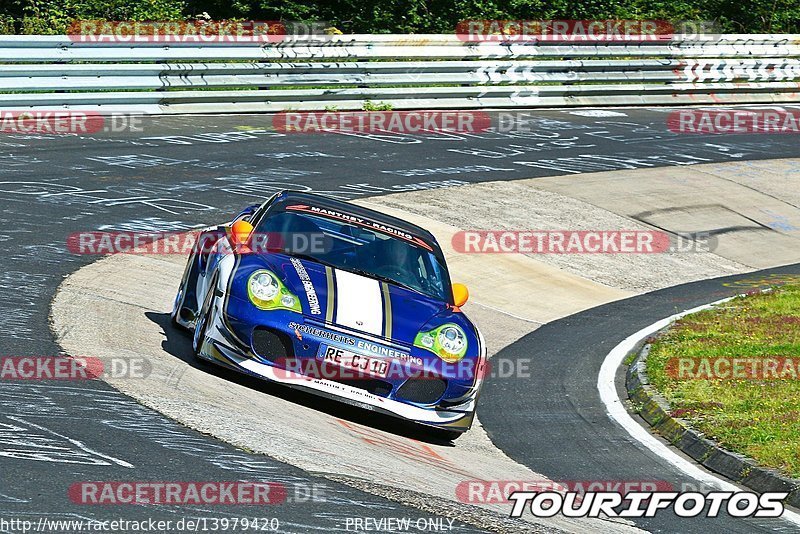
(177, 342)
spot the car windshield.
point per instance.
(353, 247)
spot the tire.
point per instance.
(173, 318)
(203, 318)
(188, 279)
(176, 308)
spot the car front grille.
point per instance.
(272, 346)
(422, 390)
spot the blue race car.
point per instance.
(338, 300)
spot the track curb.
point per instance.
(655, 409)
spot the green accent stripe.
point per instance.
(331, 295)
(387, 311)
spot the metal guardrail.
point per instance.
(406, 71)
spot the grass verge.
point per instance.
(733, 373)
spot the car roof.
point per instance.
(324, 202)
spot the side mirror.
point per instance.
(460, 295)
(240, 232)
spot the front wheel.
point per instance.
(185, 309)
(205, 318)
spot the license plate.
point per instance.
(353, 362)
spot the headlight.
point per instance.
(452, 339)
(448, 341)
(263, 286)
(267, 292)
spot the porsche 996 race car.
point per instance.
(338, 300)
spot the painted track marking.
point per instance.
(616, 410)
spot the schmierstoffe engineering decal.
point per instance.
(311, 293)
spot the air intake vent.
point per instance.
(272, 346)
(422, 390)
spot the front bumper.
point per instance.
(223, 347)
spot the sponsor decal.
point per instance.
(320, 333)
(613, 504)
(364, 346)
(373, 225)
(308, 286)
(380, 350)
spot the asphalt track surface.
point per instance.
(182, 172)
(556, 421)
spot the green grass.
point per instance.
(753, 416)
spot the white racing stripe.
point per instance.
(359, 304)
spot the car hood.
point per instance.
(350, 300)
